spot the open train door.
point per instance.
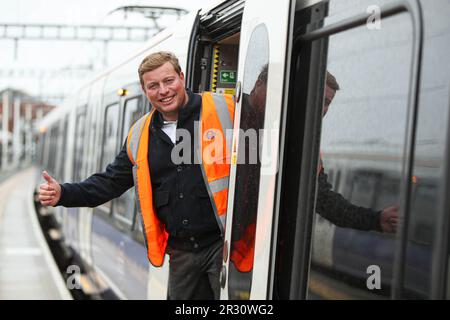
(263, 63)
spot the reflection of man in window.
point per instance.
(330, 205)
(334, 207)
(248, 174)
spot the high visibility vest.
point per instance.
(213, 152)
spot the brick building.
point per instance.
(29, 110)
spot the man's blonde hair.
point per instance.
(155, 60)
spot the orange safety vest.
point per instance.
(213, 153)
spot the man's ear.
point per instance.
(182, 75)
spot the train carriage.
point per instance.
(384, 142)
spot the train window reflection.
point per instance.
(248, 165)
(363, 136)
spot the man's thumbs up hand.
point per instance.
(50, 191)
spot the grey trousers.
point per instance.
(195, 275)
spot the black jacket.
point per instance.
(179, 192)
(335, 208)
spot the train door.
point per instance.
(254, 156)
(110, 233)
(212, 62)
(106, 242)
(77, 159)
(124, 216)
(361, 123)
(89, 167)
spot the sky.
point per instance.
(54, 68)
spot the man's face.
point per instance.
(165, 90)
(329, 95)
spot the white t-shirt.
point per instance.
(170, 128)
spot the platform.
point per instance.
(27, 268)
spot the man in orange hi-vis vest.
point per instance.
(177, 157)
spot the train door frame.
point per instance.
(78, 173)
(109, 99)
(62, 153)
(440, 275)
(123, 232)
(304, 225)
(209, 29)
(85, 214)
(275, 19)
(102, 216)
(300, 145)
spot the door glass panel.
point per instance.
(363, 140)
(248, 165)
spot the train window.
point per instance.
(110, 131)
(364, 127)
(80, 126)
(248, 165)
(132, 113)
(124, 208)
(428, 236)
